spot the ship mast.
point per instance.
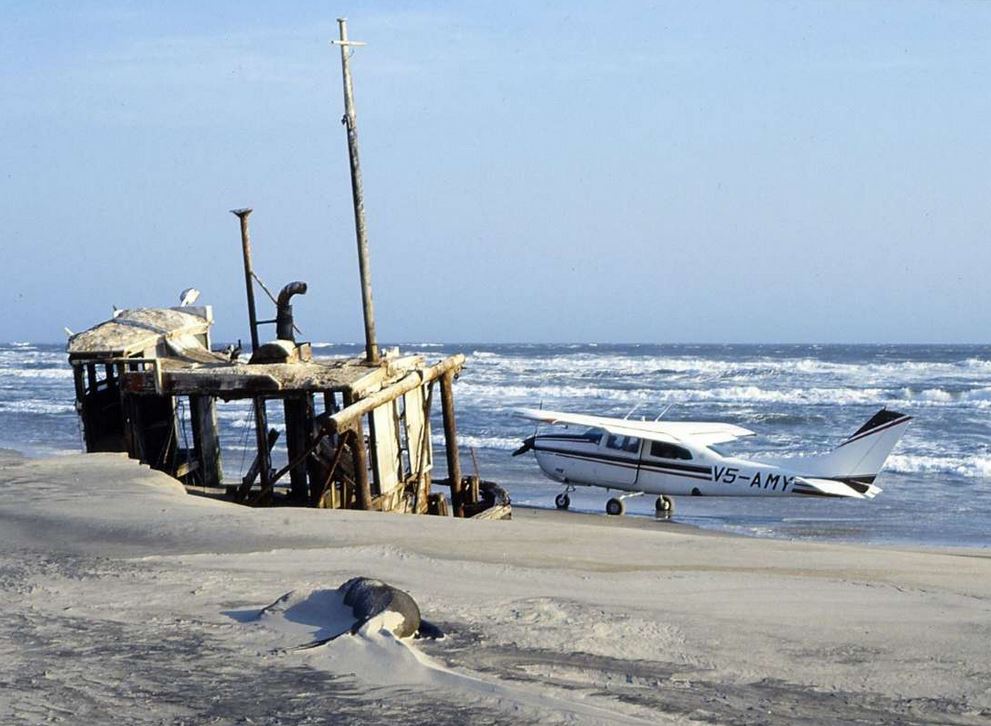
(351, 123)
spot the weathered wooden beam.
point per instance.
(206, 439)
(256, 466)
(318, 494)
(422, 482)
(364, 490)
(298, 416)
(497, 511)
(364, 267)
(344, 418)
(451, 443)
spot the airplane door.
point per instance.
(620, 461)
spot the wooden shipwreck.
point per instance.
(357, 430)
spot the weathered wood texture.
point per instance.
(343, 419)
(138, 332)
(498, 511)
(357, 193)
(206, 438)
(298, 416)
(363, 489)
(451, 442)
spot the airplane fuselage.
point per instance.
(654, 467)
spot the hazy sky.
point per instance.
(608, 172)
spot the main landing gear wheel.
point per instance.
(615, 507)
(664, 506)
(562, 501)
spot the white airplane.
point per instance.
(670, 458)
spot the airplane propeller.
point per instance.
(527, 445)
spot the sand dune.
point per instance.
(125, 600)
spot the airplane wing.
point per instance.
(700, 432)
(834, 488)
(690, 432)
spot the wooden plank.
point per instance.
(499, 511)
(344, 418)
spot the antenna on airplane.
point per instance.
(632, 410)
(661, 414)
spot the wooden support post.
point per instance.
(206, 439)
(262, 441)
(299, 414)
(256, 466)
(451, 442)
(318, 492)
(364, 490)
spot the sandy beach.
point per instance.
(126, 600)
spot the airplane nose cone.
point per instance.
(527, 445)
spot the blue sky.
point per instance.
(602, 172)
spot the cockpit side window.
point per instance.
(623, 443)
(664, 450)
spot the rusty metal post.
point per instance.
(261, 419)
(351, 123)
(242, 214)
(451, 443)
(364, 493)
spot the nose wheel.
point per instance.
(664, 506)
(563, 501)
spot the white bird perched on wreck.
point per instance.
(188, 296)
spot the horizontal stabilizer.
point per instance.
(835, 488)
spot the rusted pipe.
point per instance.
(283, 316)
(242, 215)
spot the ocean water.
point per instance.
(801, 398)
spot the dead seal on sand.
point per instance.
(369, 598)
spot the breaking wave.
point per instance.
(481, 442)
(38, 406)
(512, 394)
(973, 467)
(710, 367)
(35, 373)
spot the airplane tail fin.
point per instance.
(859, 459)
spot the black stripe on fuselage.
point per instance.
(702, 473)
(623, 459)
(567, 437)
